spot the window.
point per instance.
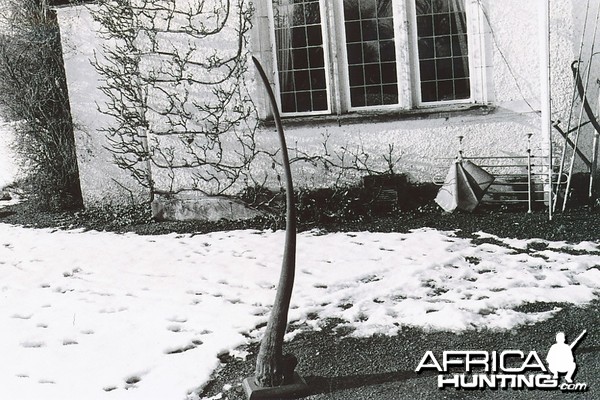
(371, 52)
(300, 56)
(335, 56)
(443, 50)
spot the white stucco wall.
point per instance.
(102, 182)
(514, 89)
(9, 170)
(512, 81)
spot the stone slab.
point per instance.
(201, 209)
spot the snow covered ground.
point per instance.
(95, 315)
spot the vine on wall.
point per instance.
(173, 73)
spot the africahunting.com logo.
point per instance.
(508, 369)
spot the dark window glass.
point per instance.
(317, 79)
(300, 56)
(315, 37)
(426, 49)
(371, 52)
(355, 55)
(444, 68)
(390, 94)
(369, 30)
(387, 50)
(315, 57)
(443, 50)
(429, 91)
(374, 96)
(351, 12)
(357, 75)
(353, 32)
(368, 9)
(389, 73)
(373, 74)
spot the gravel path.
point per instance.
(382, 368)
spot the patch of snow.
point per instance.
(98, 315)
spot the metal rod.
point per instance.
(502, 166)
(587, 81)
(593, 168)
(529, 183)
(545, 92)
(570, 143)
(569, 130)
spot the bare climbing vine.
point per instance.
(175, 77)
(173, 74)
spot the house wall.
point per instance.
(9, 171)
(512, 68)
(421, 144)
(102, 182)
(585, 41)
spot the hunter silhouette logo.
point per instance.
(560, 357)
(507, 369)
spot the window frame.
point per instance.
(417, 95)
(328, 65)
(407, 61)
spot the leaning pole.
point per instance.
(274, 375)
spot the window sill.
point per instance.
(362, 117)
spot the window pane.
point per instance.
(317, 79)
(371, 52)
(462, 88)
(315, 57)
(355, 55)
(320, 100)
(315, 37)
(288, 102)
(302, 80)
(357, 75)
(424, 25)
(428, 91)
(389, 73)
(443, 50)
(442, 46)
(353, 32)
(384, 8)
(298, 37)
(357, 96)
(374, 96)
(390, 94)
(312, 13)
(303, 101)
(300, 55)
(444, 68)
(387, 50)
(441, 24)
(351, 11)
(461, 70)
(426, 50)
(368, 9)
(427, 68)
(373, 74)
(369, 29)
(386, 28)
(440, 6)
